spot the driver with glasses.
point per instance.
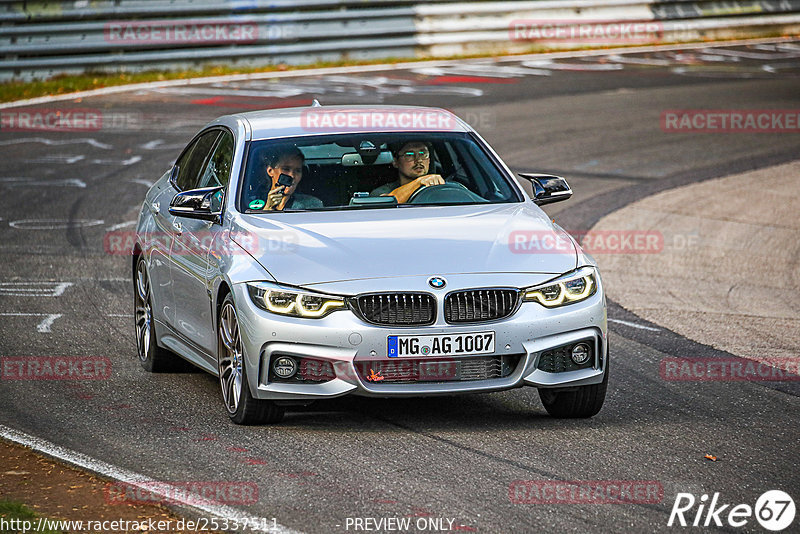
(411, 160)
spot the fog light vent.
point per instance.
(571, 357)
(284, 367)
(581, 353)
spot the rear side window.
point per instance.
(192, 160)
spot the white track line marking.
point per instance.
(641, 61)
(717, 57)
(131, 478)
(158, 144)
(60, 288)
(635, 325)
(44, 326)
(26, 182)
(377, 68)
(142, 181)
(52, 142)
(486, 71)
(53, 224)
(130, 161)
(552, 65)
(93, 279)
(57, 158)
(756, 55)
(227, 92)
(34, 289)
(120, 225)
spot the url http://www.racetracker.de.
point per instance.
(202, 524)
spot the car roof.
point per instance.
(322, 120)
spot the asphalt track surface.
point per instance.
(594, 120)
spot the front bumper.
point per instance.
(349, 344)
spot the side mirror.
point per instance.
(204, 203)
(548, 188)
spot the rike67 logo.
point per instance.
(774, 510)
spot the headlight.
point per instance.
(572, 287)
(291, 302)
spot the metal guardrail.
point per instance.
(484, 27)
(35, 11)
(45, 38)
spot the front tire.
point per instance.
(578, 402)
(153, 358)
(242, 407)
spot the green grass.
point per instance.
(10, 510)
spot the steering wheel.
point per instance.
(447, 192)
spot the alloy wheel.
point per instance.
(230, 358)
(143, 312)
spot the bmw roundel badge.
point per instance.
(437, 282)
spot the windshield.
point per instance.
(372, 170)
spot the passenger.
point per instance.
(288, 161)
(411, 160)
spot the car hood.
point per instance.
(327, 246)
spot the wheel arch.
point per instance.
(222, 289)
(136, 253)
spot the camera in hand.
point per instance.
(285, 180)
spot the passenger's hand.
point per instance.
(274, 198)
(430, 179)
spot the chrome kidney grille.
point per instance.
(477, 305)
(397, 309)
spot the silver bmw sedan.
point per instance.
(308, 253)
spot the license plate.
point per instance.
(441, 345)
